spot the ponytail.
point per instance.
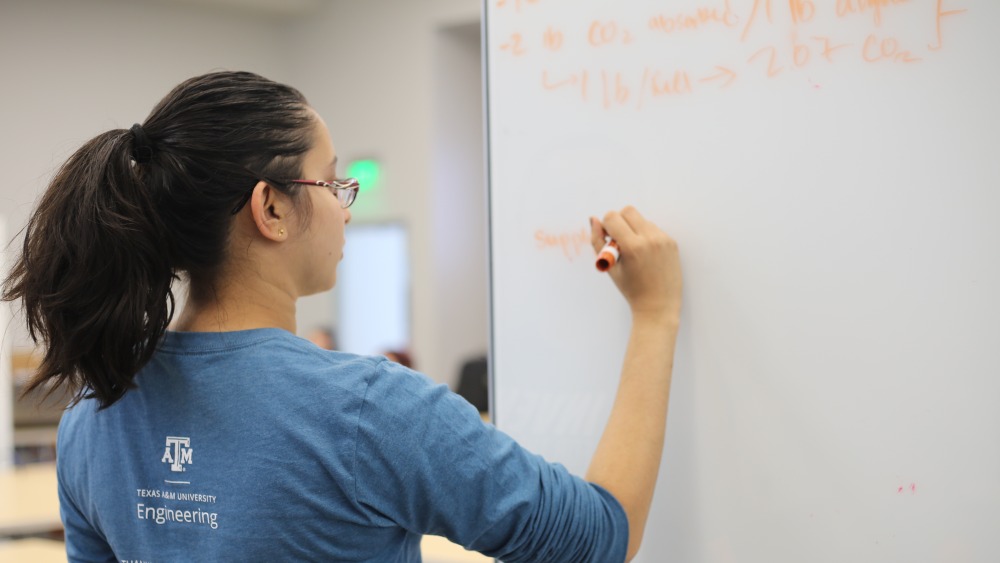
(133, 207)
(94, 273)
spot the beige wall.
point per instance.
(389, 76)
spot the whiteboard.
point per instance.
(830, 171)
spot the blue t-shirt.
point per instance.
(258, 446)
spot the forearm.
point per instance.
(627, 459)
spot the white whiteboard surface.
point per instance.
(831, 171)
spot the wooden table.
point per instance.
(29, 500)
(34, 550)
(436, 549)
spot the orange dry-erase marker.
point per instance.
(608, 256)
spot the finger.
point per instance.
(635, 220)
(619, 229)
(597, 234)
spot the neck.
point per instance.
(227, 307)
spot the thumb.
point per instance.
(597, 234)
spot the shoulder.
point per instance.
(68, 432)
(272, 356)
(396, 391)
(292, 350)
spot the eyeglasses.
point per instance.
(345, 190)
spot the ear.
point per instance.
(270, 209)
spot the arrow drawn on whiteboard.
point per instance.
(724, 72)
(573, 80)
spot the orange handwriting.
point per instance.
(941, 14)
(679, 83)
(753, 17)
(618, 89)
(846, 7)
(514, 45)
(581, 79)
(829, 47)
(615, 87)
(693, 21)
(802, 10)
(553, 39)
(800, 52)
(615, 91)
(605, 33)
(571, 244)
(875, 50)
(724, 73)
(517, 3)
(772, 66)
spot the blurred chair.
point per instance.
(472, 383)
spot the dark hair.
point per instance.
(134, 207)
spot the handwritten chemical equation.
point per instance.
(809, 42)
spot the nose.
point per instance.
(347, 216)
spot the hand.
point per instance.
(648, 274)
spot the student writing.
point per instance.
(219, 435)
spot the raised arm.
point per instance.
(648, 275)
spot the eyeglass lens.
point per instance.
(346, 195)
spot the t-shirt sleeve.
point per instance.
(84, 544)
(425, 461)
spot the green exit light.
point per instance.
(367, 172)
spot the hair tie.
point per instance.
(142, 148)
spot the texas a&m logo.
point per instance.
(177, 453)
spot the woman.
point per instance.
(228, 438)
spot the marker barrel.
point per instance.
(608, 256)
